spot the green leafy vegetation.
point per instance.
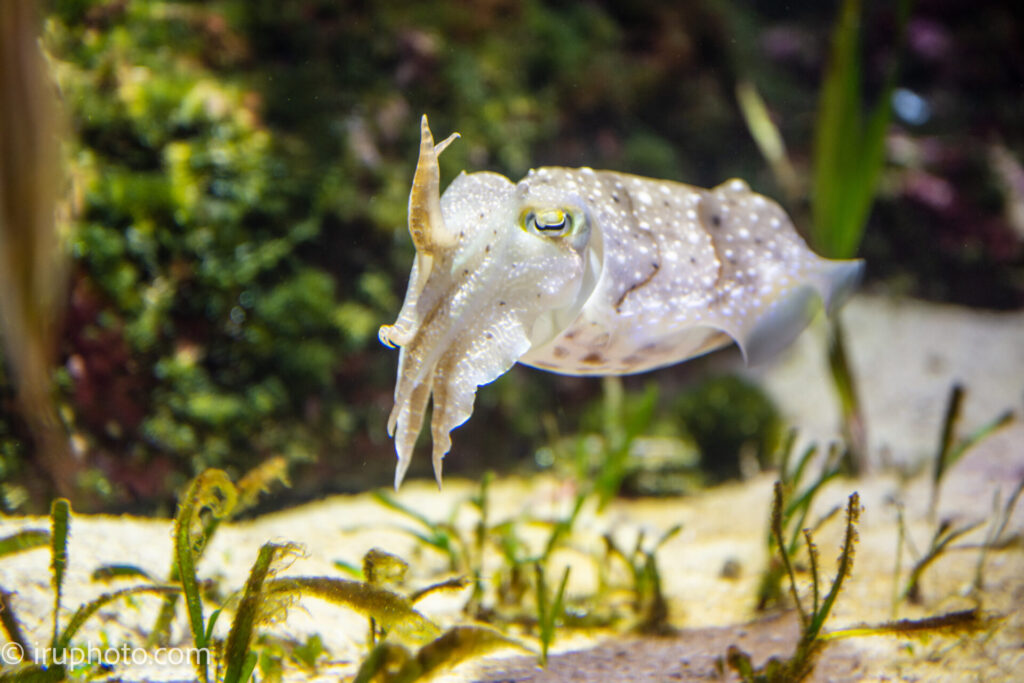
(55, 666)
(265, 598)
(210, 498)
(649, 602)
(527, 560)
(951, 449)
(390, 662)
(794, 506)
(801, 663)
(848, 159)
(550, 609)
(849, 145)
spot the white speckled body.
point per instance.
(590, 273)
(684, 270)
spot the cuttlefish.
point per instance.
(586, 272)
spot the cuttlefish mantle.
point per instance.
(586, 272)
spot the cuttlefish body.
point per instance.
(587, 272)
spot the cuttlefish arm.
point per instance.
(426, 226)
(476, 288)
(431, 240)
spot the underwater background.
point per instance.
(238, 174)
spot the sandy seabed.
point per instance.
(907, 356)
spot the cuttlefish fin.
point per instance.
(773, 329)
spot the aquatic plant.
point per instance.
(265, 598)
(996, 538)
(812, 620)
(600, 455)
(521, 560)
(391, 662)
(849, 144)
(649, 603)
(186, 240)
(209, 499)
(19, 542)
(623, 420)
(441, 536)
(550, 608)
(629, 442)
(849, 153)
(950, 448)
(394, 621)
(56, 660)
(945, 533)
(788, 523)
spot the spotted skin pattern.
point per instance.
(587, 272)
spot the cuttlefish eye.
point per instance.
(552, 222)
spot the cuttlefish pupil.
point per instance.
(549, 220)
(586, 272)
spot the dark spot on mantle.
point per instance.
(593, 358)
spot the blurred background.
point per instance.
(236, 183)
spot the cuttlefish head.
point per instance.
(497, 265)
